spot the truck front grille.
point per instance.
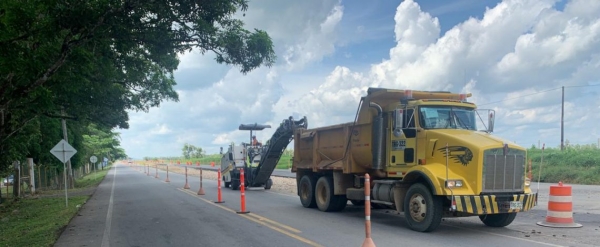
(503, 173)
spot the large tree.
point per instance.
(91, 61)
(190, 151)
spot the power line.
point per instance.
(595, 85)
(520, 96)
(548, 90)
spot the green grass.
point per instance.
(285, 162)
(39, 221)
(578, 165)
(91, 179)
(36, 222)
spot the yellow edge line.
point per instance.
(289, 228)
(301, 239)
(208, 201)
(260, 220)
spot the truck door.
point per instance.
(403, 146)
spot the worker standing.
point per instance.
(255, 142)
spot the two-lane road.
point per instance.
(149, 212)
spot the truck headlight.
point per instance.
(454, 183)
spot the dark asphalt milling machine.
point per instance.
(258, 160)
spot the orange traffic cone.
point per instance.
(368, 240)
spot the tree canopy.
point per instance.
(92, 61)
(190, 151)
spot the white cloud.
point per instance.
(314, 47)
(517, 48)
(211, 108)
(161, 129)
(508, 59)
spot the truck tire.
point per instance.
(498, 220)
(326, 200)
(268, 184)
(306, 191)
(422, 210)
(235, 184)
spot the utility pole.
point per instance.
(562, 121)
(64, 129)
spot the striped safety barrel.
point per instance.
(560, 207)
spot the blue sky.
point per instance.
(507, 53)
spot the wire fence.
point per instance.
(45, 178)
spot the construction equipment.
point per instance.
(426, 158)
(259, 161)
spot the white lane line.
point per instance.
(106, 237)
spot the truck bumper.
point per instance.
(494, 204)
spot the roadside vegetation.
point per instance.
(577, 164)
(39, 220)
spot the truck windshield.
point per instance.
(447, 117)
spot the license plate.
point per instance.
(516, 205)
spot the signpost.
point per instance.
(94, 159)
(63, 151)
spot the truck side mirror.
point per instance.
(398, 122)
(230, 156)
(491, 118)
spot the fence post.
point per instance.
(201, 190)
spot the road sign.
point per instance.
(93, 159)
(63, 151)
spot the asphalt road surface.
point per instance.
(131, 208)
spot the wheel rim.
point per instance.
(418, 208)
(321, 194)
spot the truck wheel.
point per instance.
(306, 189)
(235, 184)
(326, 200)
(268, 184)
(422, 210)
(498, 220)
(227, 184)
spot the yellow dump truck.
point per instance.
(426, 158)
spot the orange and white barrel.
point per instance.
(560, 207)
